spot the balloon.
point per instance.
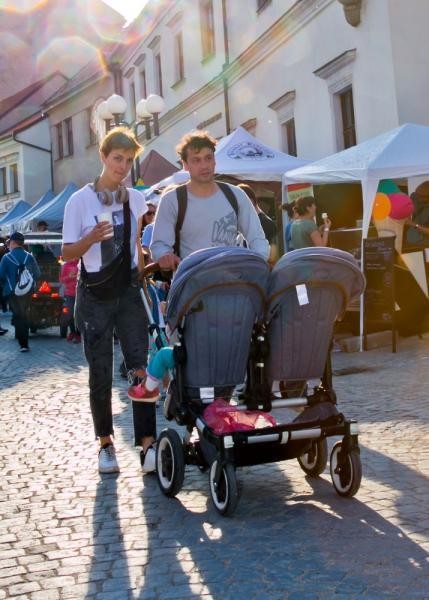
(381, 207)
(387, 186)
(401, 206)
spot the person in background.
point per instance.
(148, 219)
(42, 226)
(68, 277)
(3, 302)
(290, 209)
(19, 305)
(304, 231)
(267, 223)
(102, 224)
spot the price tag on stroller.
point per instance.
(301, 292)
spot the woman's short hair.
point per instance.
(250, 192)
(120, 138)
(303, 204)
(197, 140)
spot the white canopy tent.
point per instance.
(401, 152)
(242, 155)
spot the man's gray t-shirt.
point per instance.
(209, 222)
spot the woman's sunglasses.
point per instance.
(150, 212)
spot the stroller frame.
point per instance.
(304, 438)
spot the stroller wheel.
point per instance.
(346, 471)
(170, 462)
(225, 493)
(314, 462)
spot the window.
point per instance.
(13, 178)
(60, 148)
(158, 73)
(261, 4)
(348, 118)
(178, 55)
(289, 136)
(3, 189)
(285, 109)
(69, 135)
(338, 74)
(143, 84)
(92, 139)
(207, 28)
(133, 100)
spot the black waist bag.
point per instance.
(110, 282)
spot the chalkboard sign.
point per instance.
(379, 254)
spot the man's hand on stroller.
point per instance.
(168, 262)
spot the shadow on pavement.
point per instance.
(109, 560)
(276, 543)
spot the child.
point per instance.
(159, 363)
(68, 277)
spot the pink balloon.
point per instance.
(401, 206)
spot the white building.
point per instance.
(25, 144)
(295, 72)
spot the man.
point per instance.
(9, 266)
(210, 219)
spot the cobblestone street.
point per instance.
(67, 532)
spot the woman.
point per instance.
(304, 231)
(148, 219)
(101, 226)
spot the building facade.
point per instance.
(297, 74)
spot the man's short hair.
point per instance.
(42, 224)
(17, 237)
(197, 140)
(120, 138)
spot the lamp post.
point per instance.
(147, 113)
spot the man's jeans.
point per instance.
(19, 306)
(97, 320)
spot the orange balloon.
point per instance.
(381, 207)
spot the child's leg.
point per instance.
(158, 366)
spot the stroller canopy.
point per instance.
(221, 266)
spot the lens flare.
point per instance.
(67, 55)
(21, 6)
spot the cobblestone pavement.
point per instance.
(66, 532)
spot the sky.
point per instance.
(128, 8)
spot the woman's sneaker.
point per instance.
(148, 459)
(140, 393)
(107, 462)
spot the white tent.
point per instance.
(240, 154)
(401, 152)
(244, 156)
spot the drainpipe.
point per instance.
(30, 145)
(226, 64)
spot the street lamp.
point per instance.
(147, 112)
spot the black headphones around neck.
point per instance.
(106, 196)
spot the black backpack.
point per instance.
(182, 203)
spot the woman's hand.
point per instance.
(102, 231)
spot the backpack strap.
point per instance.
(230, 196)
(182, 203)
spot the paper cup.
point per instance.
(106, 217)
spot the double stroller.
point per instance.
(239, 323)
